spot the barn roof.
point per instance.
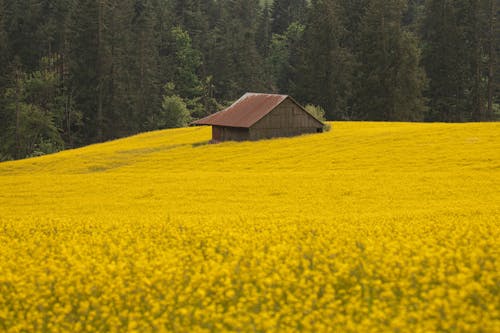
(246, 111)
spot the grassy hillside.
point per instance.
(370, 227)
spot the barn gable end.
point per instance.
(287, 119)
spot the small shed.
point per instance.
(260, 116)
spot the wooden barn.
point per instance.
(261, 116)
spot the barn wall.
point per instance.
(287, 119)
(216, 133)
(221, 133)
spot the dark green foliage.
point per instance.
(236, 63)
(186, 62)
(82, 64)
(76, 72)
(456, 36)
(351, 16)
(326, 67)
(5, 116)
(264, 33)
(142, 62)
(3, 44)
(493, 50)
(413, 14)
(30, 101)
(445, 59)
(286, 12)
(284, 57)
(390, 80)
(174, 112)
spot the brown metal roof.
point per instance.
(246, 111)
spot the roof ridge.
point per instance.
(268, 94)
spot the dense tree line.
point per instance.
(76, 72)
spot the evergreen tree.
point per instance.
(390, 79)
(476, 22)
(174, 112)
(21, 22)
(4, 54)
(492, 42)
(143, 64)
(184, 63)
(102, 66)
(187, 60)
(188, 54)
(53, 32)
(326, 67)
(413, 14)
(191, 16)
(454, 33)
(32, 100)
(285, 58)
(198, 18)
(4, 61)
(285, 12)
(83, 60)
(351, 14)
(264, 34)
(237, 64)
(3, 45)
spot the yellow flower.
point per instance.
(370, 227)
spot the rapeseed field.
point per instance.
(371, 227)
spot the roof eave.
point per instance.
(214, 124)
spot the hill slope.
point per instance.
(372, 226)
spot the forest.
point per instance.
(74, 72)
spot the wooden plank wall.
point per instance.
(287, 119)
(216, 133)
(221, 133)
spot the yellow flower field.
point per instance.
(371, 227)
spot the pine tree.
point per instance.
(351, 14)
(143, 64)
(32, 101)
(103, 68)
(390, 79)
(263, 35)
(237, 64)
(193, 16)
(285, 12)
(6, 117)
(492, 42)
(413, 14)
(326, 67)
(86, 79)
(4, 52)
(21, 23)
(198, 19)
(475, 41)
(450, 32)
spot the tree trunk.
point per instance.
(142, 102)
(100, 83)
(476, 93)
(18, 111)
(491, 58)
(112, 28)
(68, 118)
